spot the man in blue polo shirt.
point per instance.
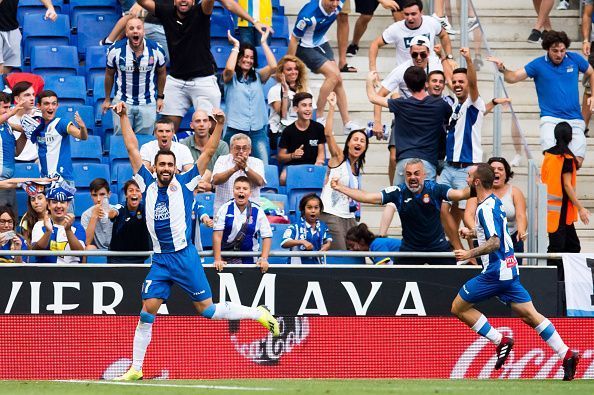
(418, 202)
(132, 64)
(309, 43)
(556, 76)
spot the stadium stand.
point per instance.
(37, 32)
(30, 7)
(86, 113)
(272, 182)
(85, 37)
(71, 91)
(84, 173)
(59, 61)
(86, 151)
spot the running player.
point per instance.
(168, 204)
(500, 277)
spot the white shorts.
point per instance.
(10, 48)
(142, 118)
(577, 145)
(200, 92)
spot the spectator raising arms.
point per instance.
(243, 88)
(360, 238)
(513, 200)
(292, 76)
(558, 172)
(309, 233)
(303, 141)
(345, 165)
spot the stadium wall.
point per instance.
(78, 323)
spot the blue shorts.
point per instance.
(482, 288)
(183, 268)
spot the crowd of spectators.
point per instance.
(159, 65)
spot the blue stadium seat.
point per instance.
(277, 238)
(86, 151)
(221, 54)
(95, 59)
(26, 170)
(280, 24)
(220, 23)
(277, 51)
(21, 200)
(302, 179)
(278, 198)
(84, 173)
(85, 112)
(37, 31)
(102, 24)
(97, 259)
(82, 201)
(207, 200)
(35, 7)
(71, 90)
(79, 8)
(272, 182)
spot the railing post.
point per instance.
(543, 236)
(531, 199)
(463, 29)
(497, 114)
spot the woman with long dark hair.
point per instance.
(346, 165)
(244, 94)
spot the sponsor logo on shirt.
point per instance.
(313, 143)
(161, 212)
(301, 24)
(426, 198)
(569, 69)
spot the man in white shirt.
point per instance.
(25, 121)
(401, 34)
(238, 163)
(164, 133)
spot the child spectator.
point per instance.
(96, 219)
(36, 210)
(9, 239)
(309, 233)
(129, 231)
(360, 238)
(58, 231)
(238, 224)
(303, 141)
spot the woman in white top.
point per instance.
(346, 165)
(513, 201)
(291, 75)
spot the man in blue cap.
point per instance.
(58, 231)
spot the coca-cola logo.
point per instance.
(268, 350)
(478, 361)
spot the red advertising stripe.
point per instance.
(93, 347)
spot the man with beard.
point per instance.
(418, 202)
(556, 76)
(238, 224)
(500, 277)
(169, 200)
(191, 80)
(132, 64)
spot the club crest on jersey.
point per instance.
(172, 188)
(426, 198)
(161, 211)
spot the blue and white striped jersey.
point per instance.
(491, 220)
(313, 23)
(168, 210)
(7, 151)
(53, 146)
(463, 141)
(135, 76)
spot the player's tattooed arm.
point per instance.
(489, 246)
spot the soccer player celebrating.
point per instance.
(500, 277)
(168, 205)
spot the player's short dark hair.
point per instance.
(127, 185)
(415, 78)
(460, 70)
(436, 72)
(242, 179)
(310, 196)
(47, 93)
(410, 3)
(164, 152)
(360, 233)
(4, 97)
(553, 37)
(300, 96)
(99, 183)
(485, 173)
(509, 174)
(20, 87)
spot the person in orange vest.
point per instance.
(558, 172)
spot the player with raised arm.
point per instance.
(168, 205)
(500, 277)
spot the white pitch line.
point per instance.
(201, 386)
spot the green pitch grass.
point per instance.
(302, 387)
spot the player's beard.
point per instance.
(472, 191)
(164, 182)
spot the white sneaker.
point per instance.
(321, 120)
(350, 126)
(563, 5)
(516, 161)
(472, 23)
(445, 23)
